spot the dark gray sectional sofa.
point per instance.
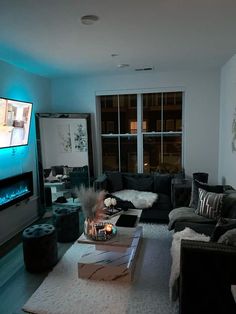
(182, 217)
(207, 269)
(155, 182)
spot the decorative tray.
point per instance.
(102, 231)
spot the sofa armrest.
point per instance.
(101, 183)
(207, 271)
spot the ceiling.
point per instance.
(46, 37)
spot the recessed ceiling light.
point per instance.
(123, 65)
(89, 19)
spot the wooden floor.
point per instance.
(16, 284)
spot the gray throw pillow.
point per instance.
(115, 181)
(229, 204)
(162, 183)
(138, 182)
(209, 204)
(209, 188)
(228, 238)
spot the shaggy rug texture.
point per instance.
(139, 199)
(62, 292)
(187, 234)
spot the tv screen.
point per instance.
(15, 119)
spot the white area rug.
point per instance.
(62, 292)
(140, 199)
(187, 234)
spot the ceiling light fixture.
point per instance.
(123, 65)
(145, 68)
(89, 19)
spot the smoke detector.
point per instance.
(89, 19)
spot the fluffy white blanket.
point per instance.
(140, 199)
(188, 234)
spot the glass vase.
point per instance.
(88, 227)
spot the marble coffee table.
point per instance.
(114, 259)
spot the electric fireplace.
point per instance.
(15, 189)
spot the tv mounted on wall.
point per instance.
(15, 117)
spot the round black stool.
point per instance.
(40, 247)
(66, 222)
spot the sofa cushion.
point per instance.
(229, 204)
(163, 202)
(203, 228)
(115, 181)
(222, 226)
(185, 214)
(57, 170)
(209, 204)
(162, 183)
(209, 188)
(138, 182)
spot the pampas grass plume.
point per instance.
(92, 202)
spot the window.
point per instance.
(142, 132)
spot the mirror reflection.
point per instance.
(65, 155)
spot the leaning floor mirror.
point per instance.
(65, 158)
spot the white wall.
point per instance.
(21, 85)
(201, 107)
(227, 157)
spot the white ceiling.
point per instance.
(46, 36)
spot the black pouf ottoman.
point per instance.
(40, 247)
(66, 222)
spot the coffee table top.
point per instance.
(124, 236)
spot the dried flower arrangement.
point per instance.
(92, 203)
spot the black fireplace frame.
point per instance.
(26, 177)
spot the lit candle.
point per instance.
(108, 228)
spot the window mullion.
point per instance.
(139, 133)
(162, 122)
(118, 112)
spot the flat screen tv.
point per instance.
(15, 117)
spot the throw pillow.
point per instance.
(138, 182)
(228, 238)
(57, 170)
(115, 182)
(222, 226)
(229, 204)
(162, 183)
(209, 188)
(209, 204)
